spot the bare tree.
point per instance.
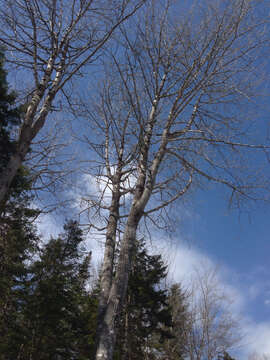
(50, 42)
(169, 117)
(257, 356)
(211, 330)
(204, 326)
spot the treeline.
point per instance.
(49, 303)
(49, 300)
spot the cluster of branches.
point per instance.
(171, 112)
(50, 42)
(170, 116)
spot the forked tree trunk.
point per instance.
(107, 330)
(106, 333)
(28, 133)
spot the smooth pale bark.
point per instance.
(143, 191)
(145, 183)
(108, 262)
(30, 128)
(106, 328)
(118, 289)
(196, 80)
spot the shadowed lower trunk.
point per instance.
(8, 174)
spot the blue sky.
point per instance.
(241, 240)
(235, 243)
(238, 244)
(209, 234)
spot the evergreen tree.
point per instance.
(10, 115)
(146, 312)
(225, 356)
(174, 348)
(45, 311)
(60, 311)
(18, 240)
(10, 119)
(50, 313)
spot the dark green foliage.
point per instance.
(146, 312)
(10, 119)
(18, 240)
(225, 356)
(174, 348)
(58, 309)
(9, 116)
(47, 313)
(18, 244)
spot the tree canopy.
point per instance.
(160, 98)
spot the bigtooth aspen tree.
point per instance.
(169, 117)
(50, 41)
(211, 329)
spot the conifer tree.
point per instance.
(10, 119)
(225, 356)
(59, 308)
(18, 240)
(174, 348)
(47, 313)
(9, 115)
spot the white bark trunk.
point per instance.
(28, 132)
(108, 262)
(118, 290)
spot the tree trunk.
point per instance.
(8, 174)
(107, 331)
(108, 262)
(27, 134)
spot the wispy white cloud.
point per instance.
(184, 260)
(48, 226)
(98, 187)
(257, 337)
